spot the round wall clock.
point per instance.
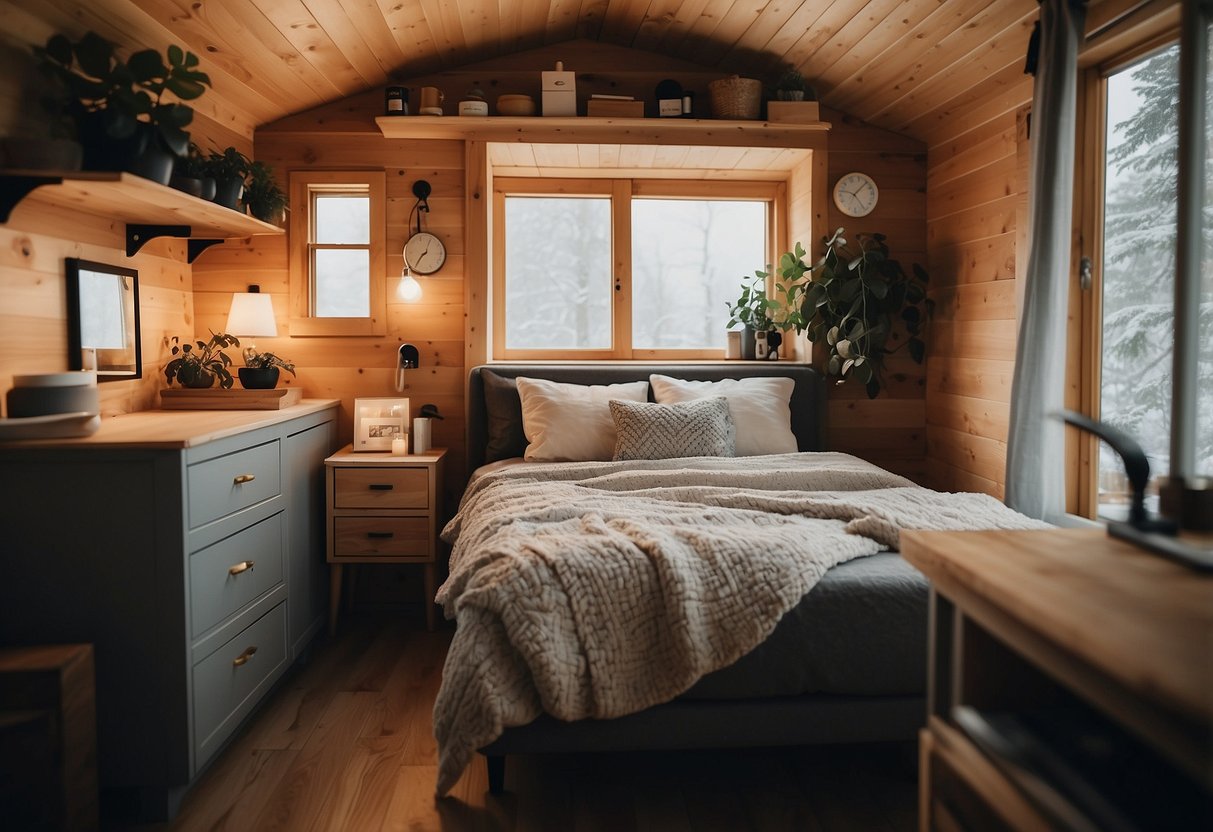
(856, 194)
(424, 253)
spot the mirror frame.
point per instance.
(106, 371)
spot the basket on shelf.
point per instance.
(735, 97)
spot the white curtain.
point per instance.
(1036, 441)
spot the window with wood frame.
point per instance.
(1126, 300)
(622, 268)
(337, 254)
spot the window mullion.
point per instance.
(621, 250)
(1193, 68)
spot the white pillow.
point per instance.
(759, 407)
(572, 422)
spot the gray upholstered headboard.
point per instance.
(808, 398)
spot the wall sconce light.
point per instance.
(251, 315)
(409, 290)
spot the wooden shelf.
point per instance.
(148, 208)
(586, 130)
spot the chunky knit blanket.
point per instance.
(597, 589)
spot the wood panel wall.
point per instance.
(888, 430)
(976, 211)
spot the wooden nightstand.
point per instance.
(382, 509)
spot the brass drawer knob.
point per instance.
(244, 657)
(241, 479)
(243, 566)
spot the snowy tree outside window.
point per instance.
(1139, 270)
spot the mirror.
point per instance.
(103, 320)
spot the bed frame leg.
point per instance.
(496, 764)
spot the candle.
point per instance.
(400, 447)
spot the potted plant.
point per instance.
(123, 119)
(792, 86)
(260, 370)
(190, 174)
(262, 196)
(230, 169)
(198, 368)
(752, 310)
(851, 299)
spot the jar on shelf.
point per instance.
(473, 104)
(396, 101)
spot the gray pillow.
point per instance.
(503, 418)
(702, 427)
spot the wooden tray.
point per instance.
(216, 398)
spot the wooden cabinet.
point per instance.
(1069, 684)
(185, 547)
(383, 509)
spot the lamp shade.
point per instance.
(252, 314)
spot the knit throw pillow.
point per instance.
(664, 431)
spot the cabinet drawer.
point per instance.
(229, 483)
(231, 573)
(228, 682)
(381, 487)
(395, 537)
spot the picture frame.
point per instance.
(379, 420)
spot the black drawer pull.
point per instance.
(380, 486)
(379, 535)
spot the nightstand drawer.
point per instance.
(228, 682)
(387, 488)
(396, 537)
(231, 573)
(226, 484)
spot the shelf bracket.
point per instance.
(138, 235)
(196, 247)
(17, 187)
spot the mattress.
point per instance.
(860, 630)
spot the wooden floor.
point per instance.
(346, 744)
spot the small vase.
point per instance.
(258, 378)
(747, 344)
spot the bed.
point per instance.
(846, 662)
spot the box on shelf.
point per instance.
(559, 91)
(604, 108)
(793, 112)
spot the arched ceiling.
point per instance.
(900, 64)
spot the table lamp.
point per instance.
(251, 315)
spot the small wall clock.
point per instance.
(856, 194)
(424, 253)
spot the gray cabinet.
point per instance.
(191, 558)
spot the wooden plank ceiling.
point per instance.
(899, 64)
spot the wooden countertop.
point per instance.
(176, 429)
(1138, 618)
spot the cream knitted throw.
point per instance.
(597, 589)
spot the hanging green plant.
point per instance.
(851, 300)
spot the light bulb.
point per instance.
(409, 290)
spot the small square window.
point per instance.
(337, 266)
